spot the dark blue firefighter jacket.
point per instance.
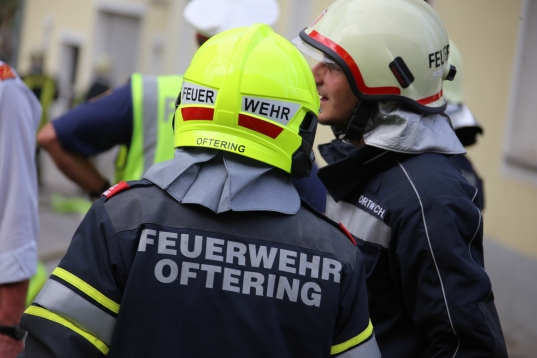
(420, 229)
(146, 276)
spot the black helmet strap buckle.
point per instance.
(355, 129)
(304, 157)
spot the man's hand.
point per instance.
(12, 300)
(9, 347)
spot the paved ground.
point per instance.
(56, 231)
(520, 342)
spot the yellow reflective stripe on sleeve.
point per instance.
(86, 288)
(338, 348)
(43, 313)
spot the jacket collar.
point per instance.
(349, 167)
(393, 133)
(397, 128)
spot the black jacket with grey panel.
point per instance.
(418, 224)
(146, 276)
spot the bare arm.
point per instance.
(12, 299)
(75, 166)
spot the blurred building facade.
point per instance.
(10, 20)
(151, 37)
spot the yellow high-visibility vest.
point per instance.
(48, 89)
(153, 107)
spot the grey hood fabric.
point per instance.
(223, 181)
(397, 129)
(462, 117)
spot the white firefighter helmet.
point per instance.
(453, 89)
(210, 17)
(465, 124)
(390, 50)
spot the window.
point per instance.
(520, 154)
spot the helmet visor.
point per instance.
(311, 54)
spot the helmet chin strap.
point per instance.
(355, 129)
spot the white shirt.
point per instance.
(20, 113)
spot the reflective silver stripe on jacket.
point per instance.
(59, 299)
(369, 349)
(359, 222)
(150, 119)
(432, 255)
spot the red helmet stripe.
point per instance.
(430, 99)
(345, 56)
(259, 125)
(197, 113)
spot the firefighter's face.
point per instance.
(337, 99)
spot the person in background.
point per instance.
(45, 89)
(380, 66)
(20, 112)
(465, 124)
(101, 78)
(137, 116)
(213, 254)
(42, 85)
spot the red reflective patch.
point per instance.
(347, 233)
(118, 188)
(6, 72)
(345, 56)
(264, 127)
(197, 113)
